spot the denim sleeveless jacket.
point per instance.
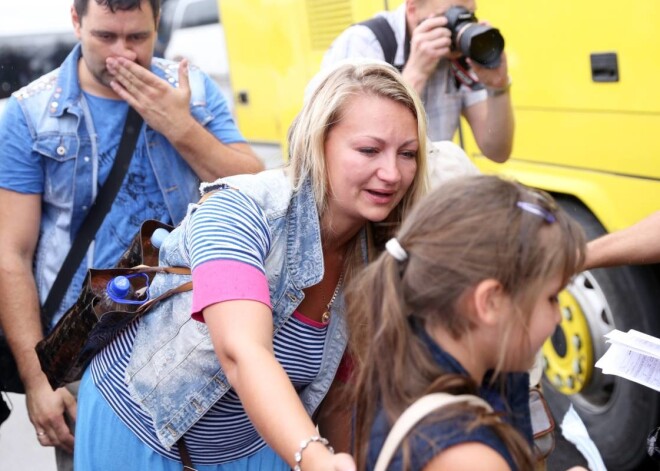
(61, 125)
(428, 439)
(173, 372)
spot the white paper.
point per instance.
(574, 430)
(634, 356)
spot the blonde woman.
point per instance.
(240, 368)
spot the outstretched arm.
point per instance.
(166, 109)
(637, 244)
(242, 333)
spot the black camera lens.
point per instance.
(483, 44)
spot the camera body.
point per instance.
(483, 44)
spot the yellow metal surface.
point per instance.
(591, 140)
(616, 201)
(274, 48)
(569, 366)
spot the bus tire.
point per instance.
(619, 414)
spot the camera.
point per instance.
(483, 44)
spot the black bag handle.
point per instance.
(95, 216)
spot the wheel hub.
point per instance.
(568, 355)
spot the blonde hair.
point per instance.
(323, 108)
(469, 230)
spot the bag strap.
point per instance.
(182, 288)
(185, 456)
(385, 36)
(416, 412)
(95, 216)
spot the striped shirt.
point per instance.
(226, 235)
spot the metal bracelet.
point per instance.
(499, 91)
(305, 443)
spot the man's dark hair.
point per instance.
(114, 5)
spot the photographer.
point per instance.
(441, 75)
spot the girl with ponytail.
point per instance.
(460, 302)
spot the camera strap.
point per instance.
(463, 75)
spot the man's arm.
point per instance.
(492, 120)
(429, 43)
(634, 245)
(166, 110)
(20, 318)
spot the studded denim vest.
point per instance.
(60, 122)
(174, 373)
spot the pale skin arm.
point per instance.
(242, 332)
(634, 245)
(166, 110)
(492, 120)
(470, 456)
(19, 314)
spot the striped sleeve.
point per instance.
(228, 240)
(228, 226)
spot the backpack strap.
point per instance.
(415, 413)
(385, 36)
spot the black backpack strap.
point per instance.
(385, 36)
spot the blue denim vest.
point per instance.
(429, 439)
(173, 372)
(60, 122)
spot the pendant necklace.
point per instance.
(325, 318)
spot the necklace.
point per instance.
(325, 318)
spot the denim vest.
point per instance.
(61, 125)
(174, 373)
(429, 439)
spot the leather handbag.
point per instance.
(543, 426)
(86, 328)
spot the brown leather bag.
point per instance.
(85, 329)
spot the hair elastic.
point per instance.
(537, 210)
(394, 248)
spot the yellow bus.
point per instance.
(586, 117)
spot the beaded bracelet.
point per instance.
(305, 443)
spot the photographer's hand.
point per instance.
(497, 78)
(430, 42)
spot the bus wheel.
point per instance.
(618, 413)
